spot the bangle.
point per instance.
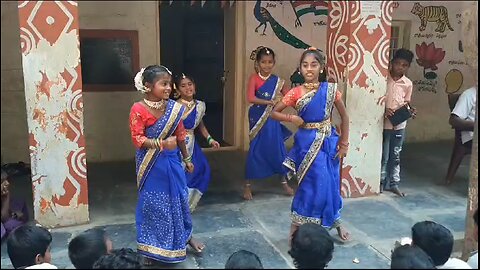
(188, 159)
(154, 143)
(209, 139)
(346, 144)
(160, 143)
(289, 118)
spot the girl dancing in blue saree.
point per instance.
(267, 149)
(315, 156)
(198, 180)
(163, 222)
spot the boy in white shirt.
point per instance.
(28, 247)
(437, 241)
(463, 118)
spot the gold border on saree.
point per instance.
(317, 125)
(264, 117)
(149, 155)
(162, 252)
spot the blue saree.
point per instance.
(163, 219)
(312, 159)
(197, 181)
(267, 136)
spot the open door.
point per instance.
(229, 77)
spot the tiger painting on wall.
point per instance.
(438, 14)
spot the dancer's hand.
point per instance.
(170, 143)
(297, 120)
(341, 151)
(215, 144)
(189, 166)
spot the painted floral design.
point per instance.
(428, 57)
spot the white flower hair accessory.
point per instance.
(139, 82)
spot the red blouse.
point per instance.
(291, 98)
(254, 83)
(141, 118)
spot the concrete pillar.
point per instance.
(470, 47)
(53, 91)
(358, 42)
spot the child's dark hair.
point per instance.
(435, 239)
(312, 247)
(26, 242)
(316, 53)
(320, 58)
(410, 257)
(243, 259)
(264, 51)
(124, 258)
(404, 54)
(179, 78)
(152, 72)
(86, 248)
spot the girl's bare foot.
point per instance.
(288, 190)
(342, 233)
(196, 245)
(247, 193)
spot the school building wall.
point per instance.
(105, 113)
(14, 133)
(430, 86)
(290, 38)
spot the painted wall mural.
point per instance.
(438, 14)
(357, 53)
(264, 17)
(317, 8)
(428, 57)
(453, 81)
(53, 93)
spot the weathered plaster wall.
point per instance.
(106, 114)
(439, 68)
(53, 95)
(358, 44)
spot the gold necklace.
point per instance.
(311, 86)
(188, 104)
(158, 105)
(264, 77)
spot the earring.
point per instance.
(321, 71)
(176, 94)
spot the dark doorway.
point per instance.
(192, 42)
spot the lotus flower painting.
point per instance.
(428, 57)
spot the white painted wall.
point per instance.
(431, 100)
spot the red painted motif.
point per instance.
(357, 47)
(57, 196)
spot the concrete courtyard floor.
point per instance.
(226, 223)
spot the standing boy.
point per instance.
(399, 93)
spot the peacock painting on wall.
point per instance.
(300, 8)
